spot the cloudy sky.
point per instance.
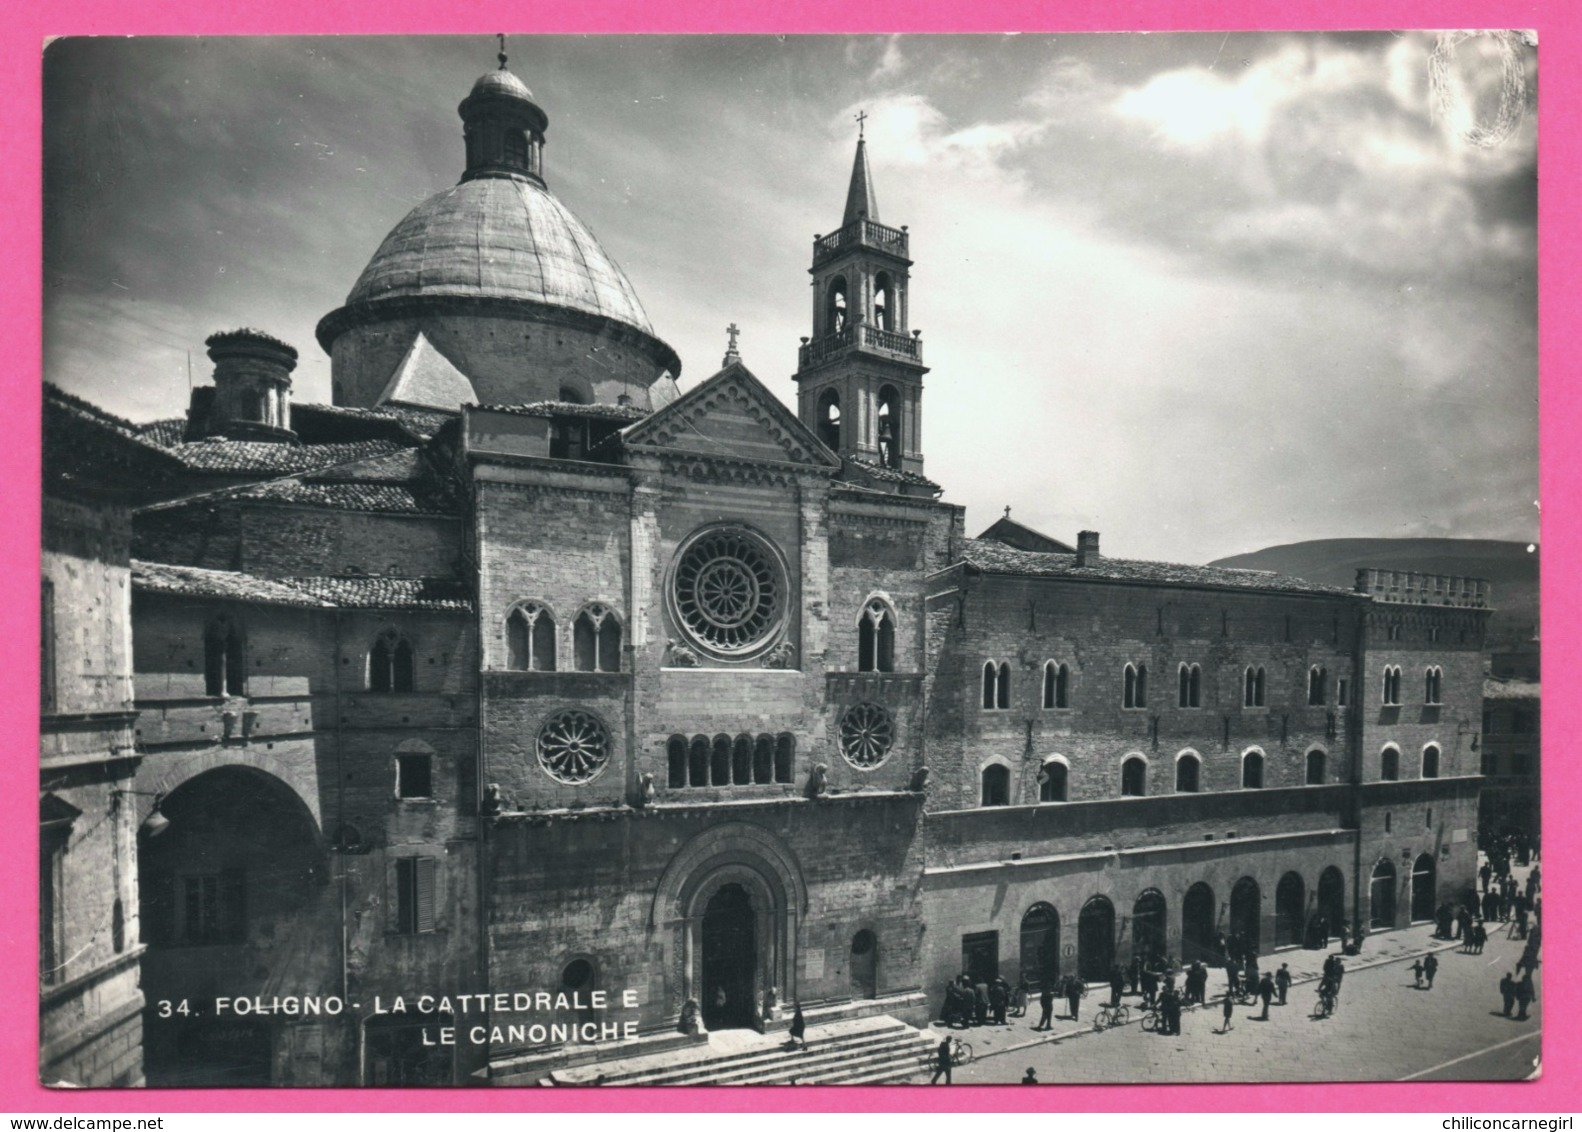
(1202, 293)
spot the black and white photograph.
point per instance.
(611, 561)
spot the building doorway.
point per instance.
(864, 965)
(1040, 946)
(1148, 926)
(1096, 940)
(1290, 910)
(729, 959)
(1423, 888)
(1246, 914)
(1197, 926)
(1381, 896)
(980, 956)
(1331, 901)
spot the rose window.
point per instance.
(728, 591)
(573, 747)
(866, 733)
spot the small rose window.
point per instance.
(573, 747)
(866, 734)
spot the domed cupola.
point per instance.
(504, 128)
(499, 280)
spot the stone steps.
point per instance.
(876, 1049)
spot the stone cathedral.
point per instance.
(517, 668)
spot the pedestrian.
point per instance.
(1532, 884)
(1417, 974)
(1343, 931)
(1170, 1011)
(1484, 874)
(1522, 908)
(1134, 972)
(1282, 981)
(1430, 966)
(798, 1028)
(1030, 1077)
(1150, 985)
(1266, 992)
(1340, 975)
(1491, 905)
(1524, 995)
(942, 1058)
(1480, 936)
(1074, 992)
(1117, 984)
(1228, 1008)
(1252, 971)
(1232, 978)
(1046, 1006)
(1508, 993)
(998, 1000)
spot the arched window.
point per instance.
(1390, 764)
(876, 638)
(1317, 686)
(530, 638)
(883, 301)
(516, 148)
(785, 755)
(1252, 771)
(1431, 761)
(1252, 692)
(1191, 690)
(390, 666)
(1052, 778)
(720, 761)
(1189, 774)
(1135, 691)
(1315, 768)
(676, 755)
(835, 306)
(996, 686)
(1057, 683)
(224, 659)
(1381, 895)
(698, 761)
(763, 760)
(996, 785)
(1134, 777)
(1431, 681)
(828, 419)
(596, 640)
(888, 425)
(742, 761)
(571, 395)
(1392, 686)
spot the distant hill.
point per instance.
(1510, 570)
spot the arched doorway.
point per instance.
(1096, 940)
(1040, 954)
(1290, 910)
(1332, 897)
(1197, 925)
(1423, 888)
(729, 958)
(1148, 925)
(1381, 896)
(865, 965)
(236, 880)
(1246, 913)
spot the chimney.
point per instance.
(1087, 546)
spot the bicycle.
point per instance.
(960, 1052)
(1326, 1003)
(1109, 1016)
(1152, 1018)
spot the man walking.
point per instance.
(1282, 981)
(1117, 984)
(1430, 966)
(1508, 993)
(980, 1003)
(942, 1059)
(1229, 1008)
(1483, 875)
(1046, 1006)
(1266, 992)
(1074, 992)
(1417, 974)
(1524, 995)
(998, 1000)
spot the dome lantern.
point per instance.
(504, 127)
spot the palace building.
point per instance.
(519, 669)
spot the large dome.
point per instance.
(499, 238)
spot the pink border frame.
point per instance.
(1559, 25)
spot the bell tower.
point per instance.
(860, 375)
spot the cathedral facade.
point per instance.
(518, 669)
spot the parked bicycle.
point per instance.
(960, 1052)
(1151, 1018)
(1108, 1016)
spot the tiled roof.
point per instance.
(165, 433)
(87, 410)
(311, 593)
(387, 593)
(570, 409)
(996, 558)
(1496, 688)
(389, 498)
(893, 475)
(263, 457)
(422, 423)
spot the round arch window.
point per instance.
(573, 747)
(866, 735)
(728, 591)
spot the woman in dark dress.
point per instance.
(798, 1028)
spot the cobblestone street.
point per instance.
(1383, 1030)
